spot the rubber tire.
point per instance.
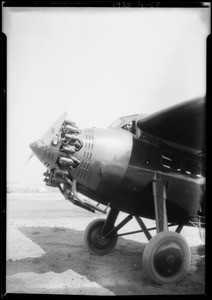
(93, 243)
(163, 239)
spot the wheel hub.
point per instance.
(99, 241)
(168, 259)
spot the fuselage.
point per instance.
(118, 168)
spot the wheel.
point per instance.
(94, 242)
(166, 258)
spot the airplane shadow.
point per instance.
(64, 249)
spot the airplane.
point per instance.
(150, 167)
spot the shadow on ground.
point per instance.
(119, 271)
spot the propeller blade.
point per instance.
(32, 154)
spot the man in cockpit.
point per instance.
(130, 127)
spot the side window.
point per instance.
(192, 167)
(171, 161)
(130, 127)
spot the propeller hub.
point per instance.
(57, 147)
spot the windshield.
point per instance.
(127, 123)
(116, 123)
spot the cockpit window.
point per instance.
(127, 123)
(130, 126)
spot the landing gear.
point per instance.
(95, 242)
(166, 258)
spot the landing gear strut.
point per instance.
(167, 256)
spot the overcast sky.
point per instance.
(96, 64)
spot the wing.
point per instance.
(182, 124)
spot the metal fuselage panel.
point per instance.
(184, 193)
(118, 168)
(104, 158)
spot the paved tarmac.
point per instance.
(46, 253)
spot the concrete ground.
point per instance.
(46, 253)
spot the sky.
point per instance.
(97, 64)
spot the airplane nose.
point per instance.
(43, 145)
(58, 145)
(39, 149)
